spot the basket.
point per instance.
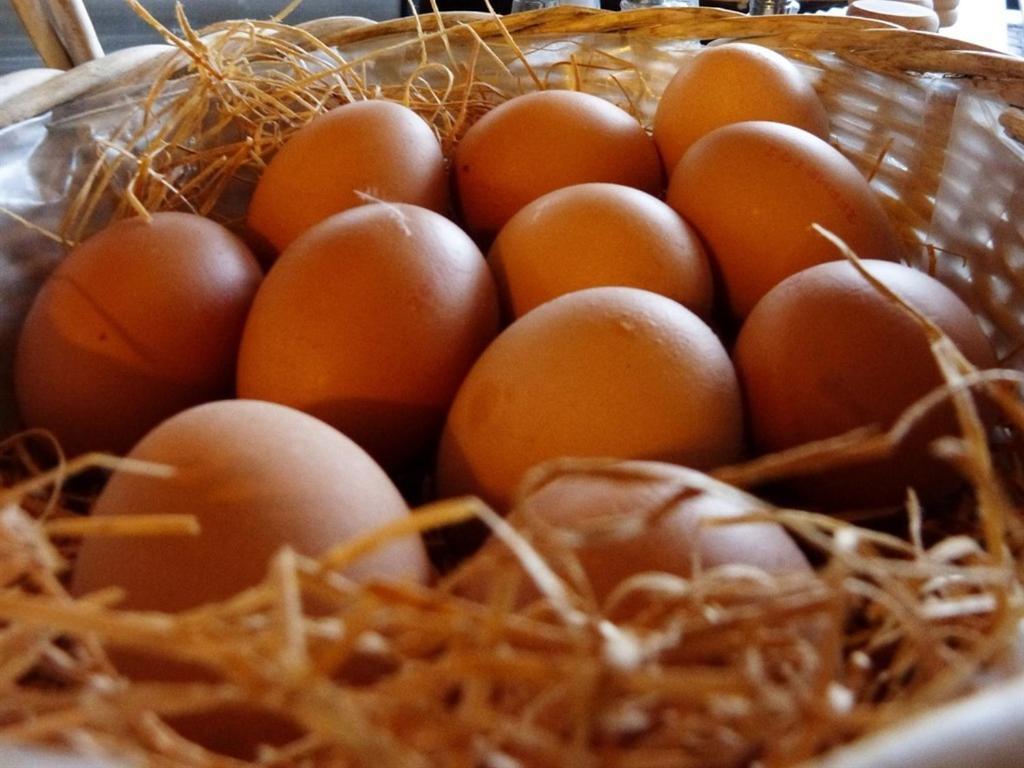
(926, 118)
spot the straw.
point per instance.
(510, 659)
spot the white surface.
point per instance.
(985, 731)
(982, 22)
(14, 757)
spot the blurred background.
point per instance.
(117, 26)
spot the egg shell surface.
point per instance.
(610, 371)
(139, 321)
(542, 141)
(646, 523)
(733, 83)
(257, 477)
(753, 190)
(825, 352)
(343, 158)
(595, 234)
(370, 321)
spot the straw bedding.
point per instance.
(733, 667)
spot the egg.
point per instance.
(257, 476)
(365, 150)
(824, 352)
(608, 371)
(733, 83)
(753, 190)
(139, 321)
(538, 142)
(370, 321)
(595, 234)
(646, 523)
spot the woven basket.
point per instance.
(894, 97)
(932, 121)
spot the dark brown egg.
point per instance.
(139, 322)
(825, 352)
(646, 524)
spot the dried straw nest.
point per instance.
(731, 667)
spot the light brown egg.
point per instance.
(824, 353)
(595, 234)
(258, 477)
(140, 321)
(602, 510)
(610, 371)
(540, 142)
(752, 190)
(343, 158)
(370, 321)
(730, 84)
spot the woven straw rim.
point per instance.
(872, 44)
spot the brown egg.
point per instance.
(138, 322)
(540, 142)
(824, 353)
(343, 158)
(730, 84)
(370, 321)
(752, 190)
(258, 477)
(600, 507)
(611, 371)
(595, 234)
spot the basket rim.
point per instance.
(870, 43)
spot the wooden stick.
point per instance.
(42, 36)
(71, 21)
